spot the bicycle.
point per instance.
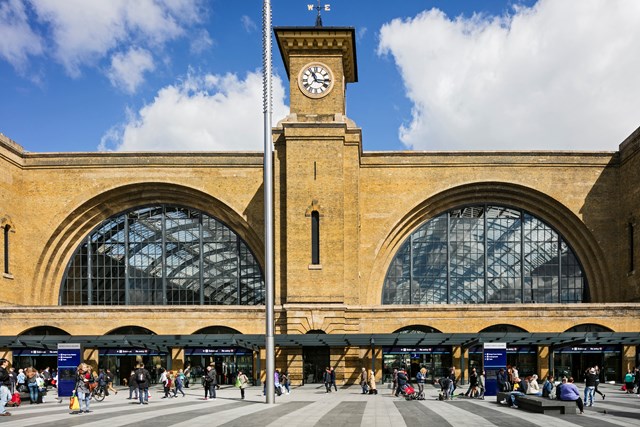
(99, 393)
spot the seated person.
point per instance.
(533, 387)
(548, 389)
(569, 392)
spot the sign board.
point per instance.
(495, 358)
(69, 357)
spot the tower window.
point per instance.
(315, 237)
(631, 247)
(7, 228)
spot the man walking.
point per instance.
(143, 378)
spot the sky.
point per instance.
(169, 75)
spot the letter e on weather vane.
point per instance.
(319, 8)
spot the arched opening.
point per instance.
(417, 329)
(225, 360)
(589, 327)
(39, 358)
(483, 254)
(121, 360)
(315, 360)
(576, 357)
(162, 255)
(216, 330)
(503, 328)
(131, 330)
(44, 330)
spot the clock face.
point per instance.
(315, 80)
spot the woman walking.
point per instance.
(83, 394)
(372, 382)
(243, 382)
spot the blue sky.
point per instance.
(164, 75)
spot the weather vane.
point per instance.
(319, 7)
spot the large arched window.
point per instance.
(163, 255)
(484, 254)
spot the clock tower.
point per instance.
(319, 61)
(317, 177)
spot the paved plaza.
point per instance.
(311, 406)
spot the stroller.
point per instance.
(410, 393)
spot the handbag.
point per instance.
(74, 404)
(238, 382)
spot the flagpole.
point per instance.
(268, 201)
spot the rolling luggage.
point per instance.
(15, 400)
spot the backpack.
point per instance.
(141, 376)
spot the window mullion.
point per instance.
(127, 298)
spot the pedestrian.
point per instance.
(284, 380)
(83, 394)
(32, 383)
(421, 379)
(5, 383)
(333, 379)
(109, 378)
(133, 386)
(326, 378)
(364, 380)
(590, 387)
(243, 383)
(143, 379)
(598, 383)
(372, 382)
(179, 383)
(402, 381)
(187, 376)
(629, 379)
(211, 381)
(394, 385)
(165, 380)
(473, 384)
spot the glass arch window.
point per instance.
(484, 254)
(163, 255)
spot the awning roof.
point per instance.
(254, 342)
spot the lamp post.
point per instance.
(268, 201)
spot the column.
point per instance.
(177, 358)
(91, 356)
(543, 360)
(456, 360)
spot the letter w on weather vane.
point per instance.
(319, 8)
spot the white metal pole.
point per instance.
(268, 201)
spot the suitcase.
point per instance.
(15, 399)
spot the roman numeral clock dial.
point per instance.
(315, 80)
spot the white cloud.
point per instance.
(248, 24)
(84, 32)
(203, 112)
(559, 75)
(201, 42)
(17, 40)
(127, 69)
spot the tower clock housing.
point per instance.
(319, 61)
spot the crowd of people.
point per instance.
(35, 383)
(565, 389)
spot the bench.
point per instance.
(542, 405)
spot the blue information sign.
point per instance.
(495, 358)
(69, 357)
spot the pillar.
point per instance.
(294, 365)
(177, 358)
(91, 356)
(7, 353)
(543, 360)
(628, 359)
(456, 360)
